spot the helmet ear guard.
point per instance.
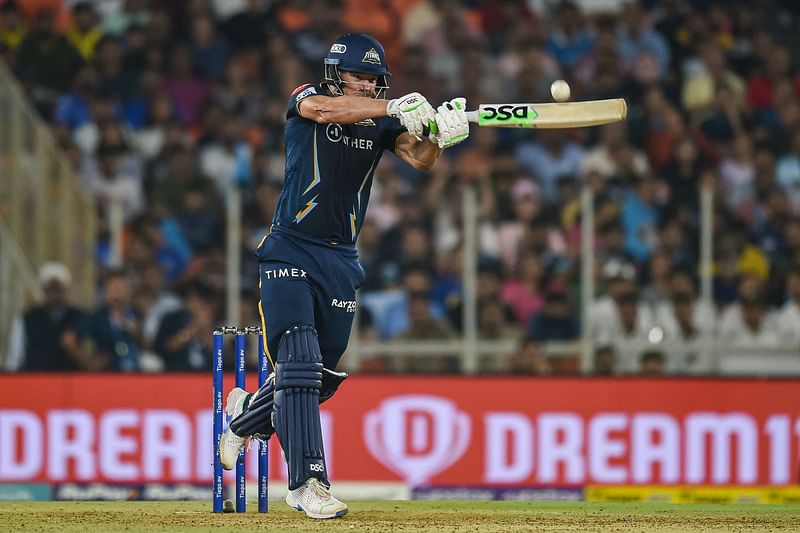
(332, 76)
(381, 87)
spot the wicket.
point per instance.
(240, 343)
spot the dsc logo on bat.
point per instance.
(506, 112)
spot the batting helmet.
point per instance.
(357, 52)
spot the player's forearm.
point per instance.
(343, 109)
(421, 154)
(426, 153)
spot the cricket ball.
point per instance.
(559, 90)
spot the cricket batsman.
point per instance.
(335, 134)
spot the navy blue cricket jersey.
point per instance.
(329, 169)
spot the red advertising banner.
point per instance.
(426, 431)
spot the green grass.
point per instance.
(405, 516)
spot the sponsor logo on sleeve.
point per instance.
(305, 93)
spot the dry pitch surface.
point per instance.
(66, 517)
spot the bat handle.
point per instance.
(431, 127)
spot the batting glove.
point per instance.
(413, 111)
(450, 124)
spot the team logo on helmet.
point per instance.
(338, 48)
(372, 57)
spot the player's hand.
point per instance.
(451, 125)
(413, 111)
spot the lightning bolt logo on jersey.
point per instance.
(329, 170)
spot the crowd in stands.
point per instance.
(161, 106)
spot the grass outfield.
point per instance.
(404, 516)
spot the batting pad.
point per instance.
(298, 380)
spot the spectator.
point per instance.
(494, 323)
(601, 160)
(683, 172)
(700, 89)
(114, 80)
(113, 330)
(114, 181)
(637, 37)
(556, 321)
(788, 317)
(617, 281)
(250, 28)
(524, 292)
(749, 324)
(73, 109)
(530, 360)
(198, 218)
(548, 158)
(526, 204)
(761, 87)
(621, 320)
(186, 90)
(569, 42)
(163, 301)
(85, 32)
(209, 52)
(228, 159)
(639, 217)
(423, 325)
(787, 173)
(737, 174)
(487, 291)
(134, 13)
(604, 361)
(686, 327)
(397, 315)
(46, 61)
(37, 339)
(652, 364)
(183, 340)
(179, 177)
(12, 27)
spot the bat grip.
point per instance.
(429, 128)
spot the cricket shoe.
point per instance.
(316, 500)
(231, 444)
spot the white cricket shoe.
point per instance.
(316, 500)
(231, 444)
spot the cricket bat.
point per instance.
(550, 115)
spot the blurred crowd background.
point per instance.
(162, 105)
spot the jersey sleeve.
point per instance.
(391, 131)
(300, 94)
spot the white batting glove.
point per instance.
(413, 111)
(452, 126)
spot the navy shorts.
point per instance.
(304, 280)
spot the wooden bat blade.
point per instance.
(550, 115)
